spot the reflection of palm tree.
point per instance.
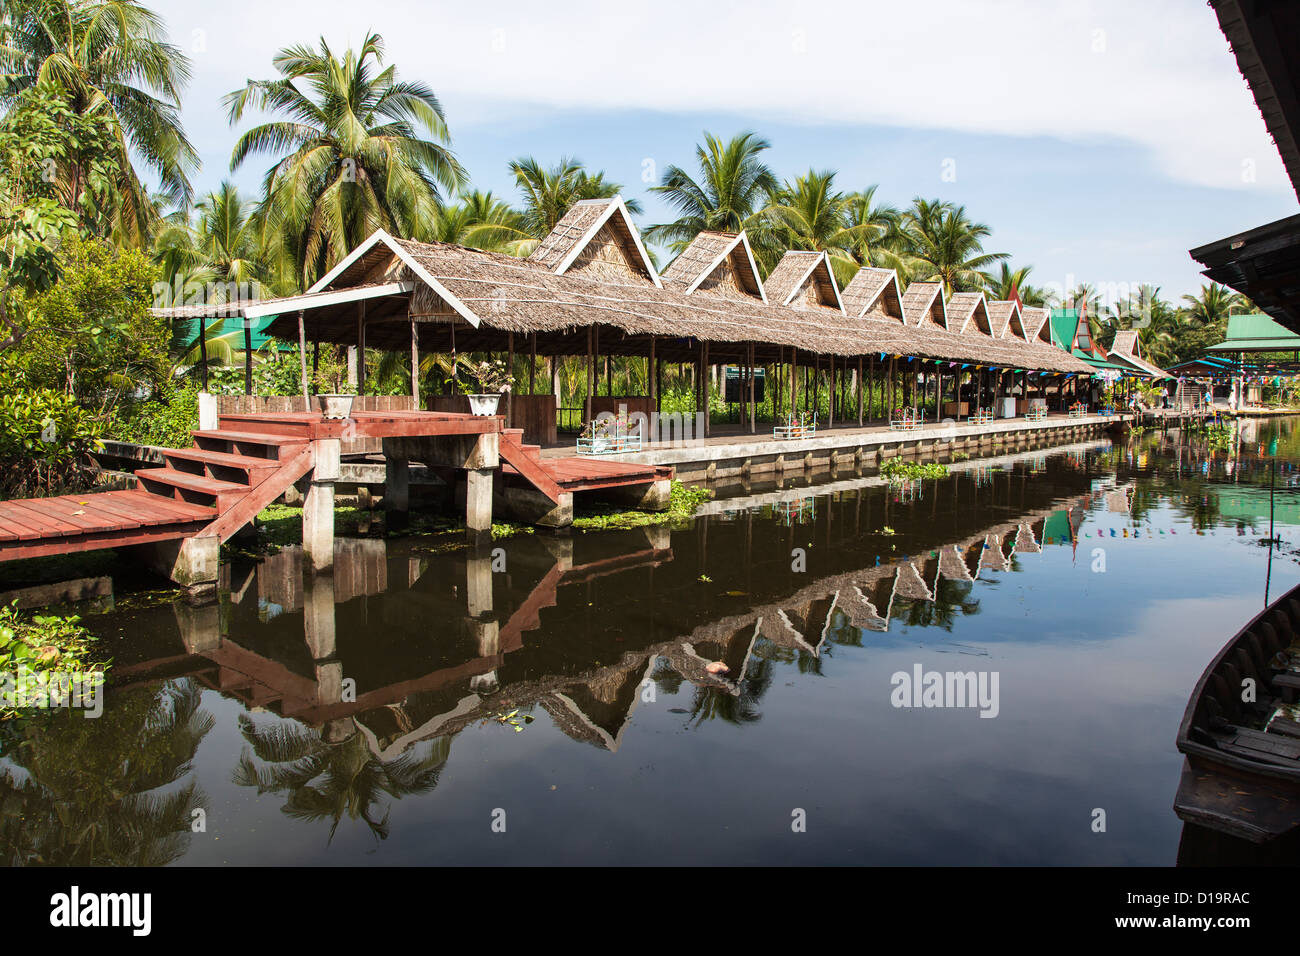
(325, 780)
(85, 792)
(950, 597)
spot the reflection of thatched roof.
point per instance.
(909, 584)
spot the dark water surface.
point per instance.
(1096, 582)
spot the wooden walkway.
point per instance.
(232, 472)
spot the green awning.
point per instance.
(1256, 332)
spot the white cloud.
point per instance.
(1158, 74)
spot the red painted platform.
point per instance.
(234, 471)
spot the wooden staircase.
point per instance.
(237, 469)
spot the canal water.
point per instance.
(736, 688)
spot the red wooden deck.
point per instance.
(247, 462)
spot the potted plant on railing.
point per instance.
(493, 381)
(335, 405)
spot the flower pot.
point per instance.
(335, 406)
(483, 405)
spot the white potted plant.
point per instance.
(493, 380)
(335, 405)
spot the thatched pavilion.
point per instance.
(590, 289)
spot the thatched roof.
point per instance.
(923, 305)
(967, 314)
(804, 280)
(873, 293)
(595, 234)
(1127, 350)
(1036, 323)
(1001, 312)
(589, 285)
(717, 263)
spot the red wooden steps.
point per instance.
(212, 463)
(170, 483)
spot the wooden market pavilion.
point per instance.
(590, 289)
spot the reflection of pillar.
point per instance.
(478, 586)
(318, 506)
(200, 626)
(487, 636)
(318, 617)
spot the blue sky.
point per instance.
(1099, 140)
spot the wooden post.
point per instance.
(652, 376)
(203, 350)
(361, 347)
(859, 391)
(302, 360)
(753, 416)
(415, 362)
(532, 365)
(248, 356)
(510, 367)
(591, 371)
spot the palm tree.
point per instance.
(730, 196)
(351, 157)
(548, 194)
(109, 58)
(946, 245)
(1215, 303)
(481, 221)
(810, 214)
(1006, 281)
(876, 229)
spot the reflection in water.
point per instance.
(341, 695)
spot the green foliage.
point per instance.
(898, 469)
(108, 60)
(57, 170)
(45, 443)
(41, 644)
(164, 419)
(91, 335)
(683, 500)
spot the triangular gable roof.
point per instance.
(922, 302)
(1001, 314)
(1036, 324)
(581, 225)
(1016, 324)
(371, 254)
(799, 273)
(873, 293)
(1127, 349)
(714, 262)
(968, 313)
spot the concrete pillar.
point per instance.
(193, 563)
(207, 412)
(478, 499)
(318, 506)
(397, 485)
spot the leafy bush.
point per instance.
(42, 644)
(166, 418)
(46, 440)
